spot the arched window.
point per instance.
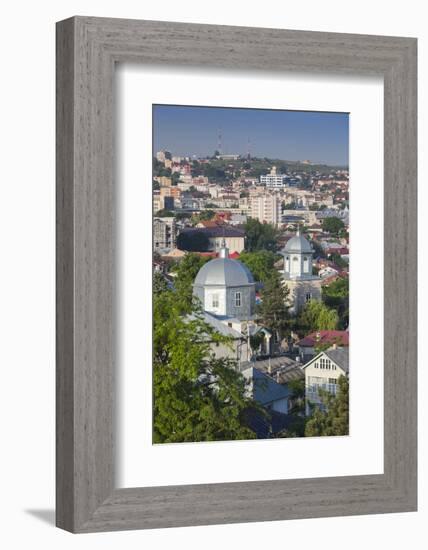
(305, 264)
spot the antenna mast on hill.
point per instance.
(219, 142)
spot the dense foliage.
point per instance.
(197, 397)
(260, 236)
(184, 273)
(260, 263)
(193, 241)
(316, 315)
(273, 309)
(335, 419)
(333, 225)
(336, 296)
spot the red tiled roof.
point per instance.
(342, 250)
(330, 279)
(340, 337)
(207, 254)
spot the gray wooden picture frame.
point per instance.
(87, 50)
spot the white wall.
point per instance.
(27, 271)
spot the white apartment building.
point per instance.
(273, 180)
(266, 208)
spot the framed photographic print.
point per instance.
(236, 274)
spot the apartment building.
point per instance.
(266, 208)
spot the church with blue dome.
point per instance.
(298, 272)
(226, 288)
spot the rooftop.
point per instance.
(340, 337)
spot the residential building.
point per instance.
(266, 208)
(266, 391)
(161, 202)
(164, 233)
(174, 192)
(160, 156)
(273, 180)
(234, 238)
(157, 201)
(237, 346)
(322, 372)
(321, 339)
(164, 181)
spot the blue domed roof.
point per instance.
(224, 272)
(298, 244)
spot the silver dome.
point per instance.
(298, 244)
(224, 272)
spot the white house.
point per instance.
(323, 372)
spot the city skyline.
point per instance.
(321, 137)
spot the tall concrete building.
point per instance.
(273, 180)
(266, 208)
(164, 233)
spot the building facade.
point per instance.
(266, 209)
(323, 373)
(226, 287)
(298, 273)
(164, 233)
(273, 180)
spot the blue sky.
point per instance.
(289, 135)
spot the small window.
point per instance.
(214, 302)
(237, 299)
(308, 296)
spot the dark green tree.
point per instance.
(184, 273)
(197, 397)
(338, 260)
(335, 419)
(164, 213)
(332, 225)
(159, 283)
(175, 178)
(260, 263)
(336, 296)
(193, 241)
(296, 428)
(260, 236)
(316, 316)
(273, 309)
(205, 215)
